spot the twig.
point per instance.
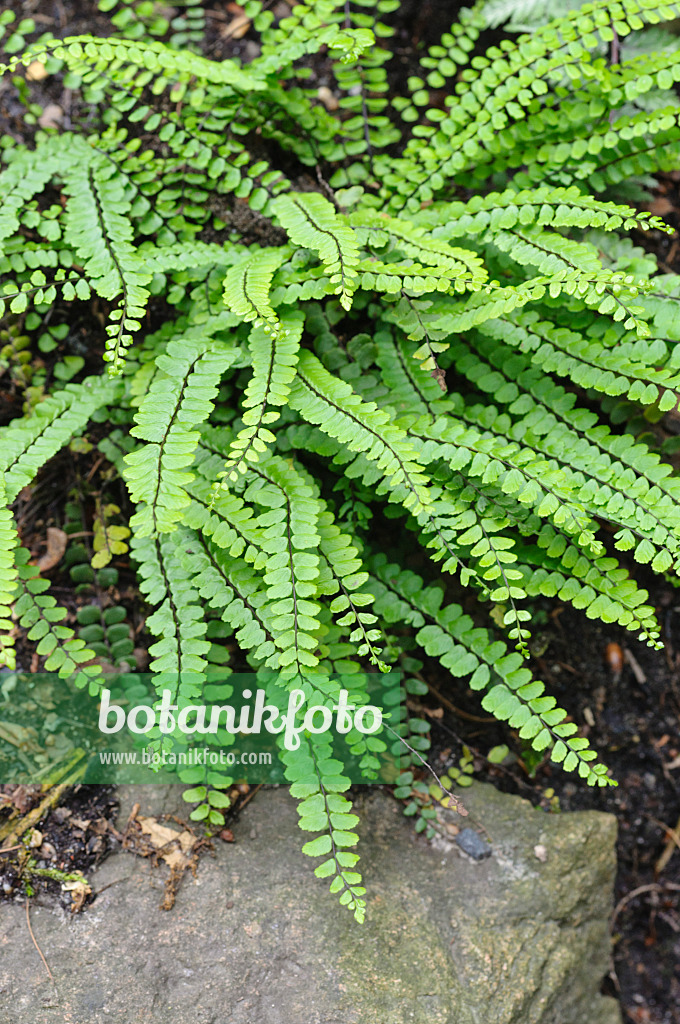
(634, 664)
(249, 797)
(672, 840)
(452, 707)
(457, 805)
(35, 943)
(653, 887)
(12, 831)
(108, 885)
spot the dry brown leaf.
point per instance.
(21, 797)
(80, 890)
(161, 836)
(237, 27)
(56, 541)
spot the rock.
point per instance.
(472, 843)
(257, 939)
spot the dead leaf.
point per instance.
(174, 847)
(239, 24)
(21, 797)
(56, 539)
(36, 71)
(661, 206)
(80, 890)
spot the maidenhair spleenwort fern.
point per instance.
(319, 318)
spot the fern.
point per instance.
(179, 398)
(310, 221)
(274, 357)
(328, 311)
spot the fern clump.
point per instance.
(419, 308)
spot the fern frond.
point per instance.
(317, 782)
(463, 649)
(97, 228)
(543, 206)
(179, 398)
(464, 268)
(179, 655)
(339, 412)
(274, 358)
(8, 580)
(345, 580)
(311, 221)
(38, 613)
(92, 51)
(230, 586)
(247, 286)
(290, 539)
(27, 444)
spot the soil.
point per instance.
(624, 696)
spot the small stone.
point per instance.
(472, 844)
(328, 98)
(51, 116)
(541, 853)
(36, 71)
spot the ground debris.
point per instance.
(180, 850)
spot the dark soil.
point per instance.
(624, 696)
(72, 838)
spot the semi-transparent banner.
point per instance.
(165, 728)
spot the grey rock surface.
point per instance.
(518, 938)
